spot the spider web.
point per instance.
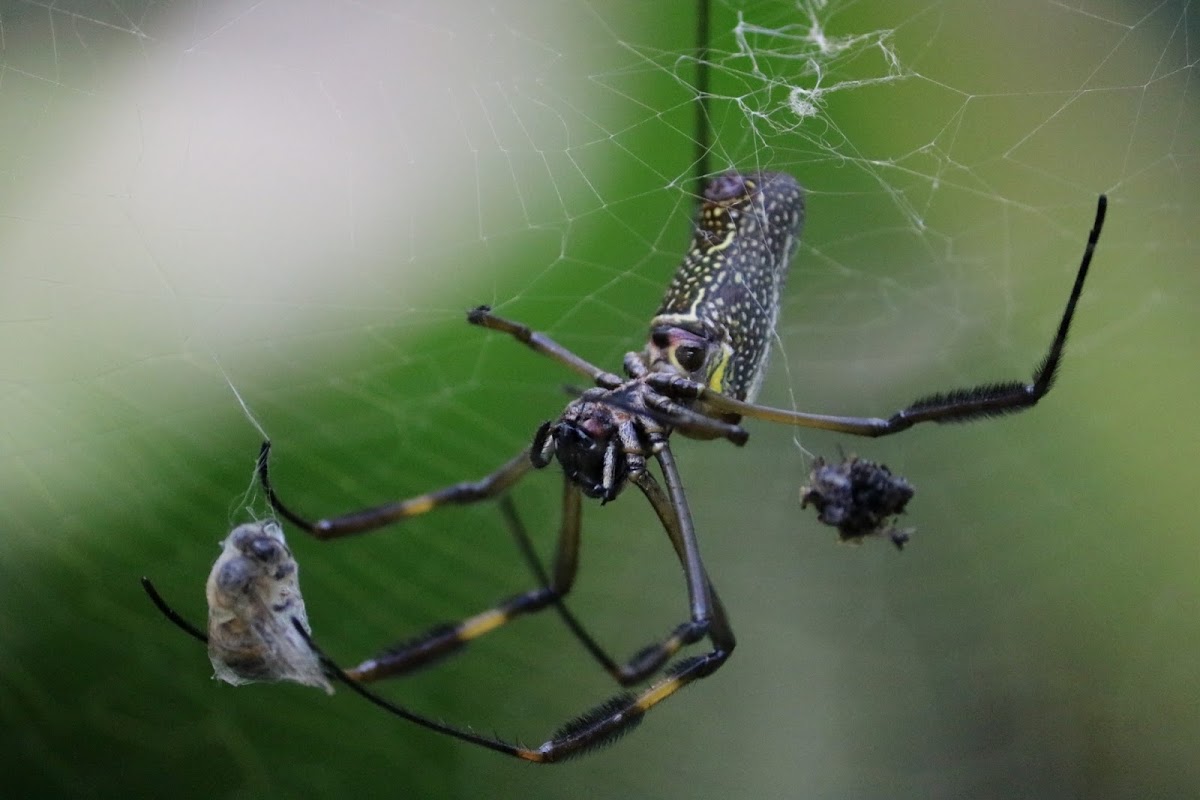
(218, 216)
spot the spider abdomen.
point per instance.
(727, 290)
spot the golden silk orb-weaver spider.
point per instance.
(698, 374)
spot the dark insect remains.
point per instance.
(858, 497)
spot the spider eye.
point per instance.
(689, 357)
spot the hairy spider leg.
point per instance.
(491, 485)
(172, 614)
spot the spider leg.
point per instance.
(541, 343)
(601, 725)
(443, 640)
(692, 423)
(957, 405)
(470, 737)
(566, 564)
(666, 412)
(488, 486)
(653, 657)
(676, 516)
(620, 714)
(172, 614)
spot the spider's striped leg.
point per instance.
(566, 563)
(489, 742)
(653, 657)
(590, 730)
(541, 343)
(172, 614)
(443, 640)
(489, 486)
(620, 714)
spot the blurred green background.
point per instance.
(300, 200)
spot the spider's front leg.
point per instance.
(543, 344)
(489, 486)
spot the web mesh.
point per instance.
(222, 215)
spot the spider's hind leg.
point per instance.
(489, 486)
(620, 714)
(443, 640)
(543, 344)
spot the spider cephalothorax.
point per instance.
(603, 438)
(594, 442)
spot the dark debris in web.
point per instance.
(858, 497)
